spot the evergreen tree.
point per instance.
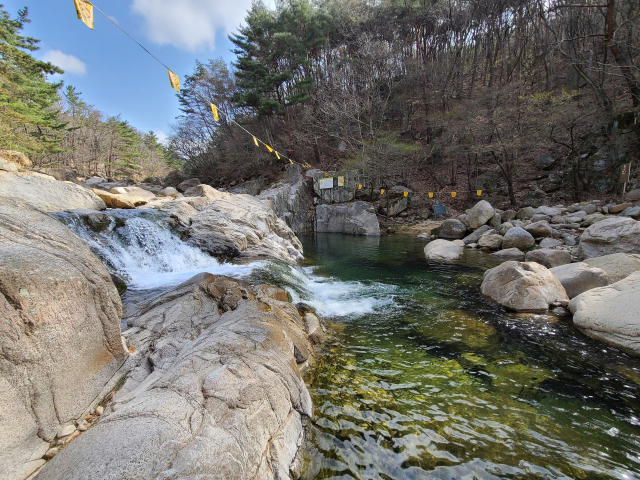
(28, 121)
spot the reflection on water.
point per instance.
(428, 380)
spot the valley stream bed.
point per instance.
(420, 378)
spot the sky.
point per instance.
(113, 73)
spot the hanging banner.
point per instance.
(359, 187)
(214, 109)
(453, 194)
(269, 148)
(175, 81)
(85, 12)
(341, 181)
(277, 155)
(255, 140)
(406, 194)
(430, 194)
(479, 193)
(382, 192)
(326, 183)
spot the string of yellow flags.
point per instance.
(432, 194)
(84, 10)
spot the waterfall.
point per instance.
(141, 247)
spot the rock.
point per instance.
(509, 254)
(475, 236)
(289, 199)
(47, 194)
(560, 312)
(17, 158)
(59, 332)
(539, 229)
(480, 214)
(550, 243)
(504, 228)
(490, 242)
(593, 218)
(633, 212)
(617, 266)
(496, 221)
(633, 196)
(460, 243)
(337, 194)
(610, 313)
(523, 287)
(66, 431)
(620, 208)
(51, 453)
(518, 238)
(140, 193)
(540, 218)
(589, 209)
(509, 215)
(577, 278)
(165, 192)
(442, 251)
(214, 393)
(396, 206)
(452, 229)
(569, 240)
(525, 213)
(549, 258)
(313, 328)
(613, 235)
(8, 166)
(548, 211)
(544, 162)
(251, 187)
(190, 183)
(234, 225)
(113, 200)
(357, 218)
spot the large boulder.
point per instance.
(549, 257)
(396, 206)
(618, 266)
(339, 193)
(480, 214)
(577, 278)
(442, 251)
(518, 238)
(289, 199)
(47, 194)
(241, 225)
(544, 161)
(539, 229)
(356, 218)
(59, 334)
(452, 229)
(187, 184)
(613, 235)
(610, 313)
(523, 287)
(491, 241)
(548, 211)
(118, 200)
(216, 390)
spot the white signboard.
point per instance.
(326, 183)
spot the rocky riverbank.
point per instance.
(582, 259)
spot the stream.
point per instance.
(421, 377)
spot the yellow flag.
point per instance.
(85, 12)
(406, 194)
(479, 193)
(291, 161)
(430, 194)
(382, 192)
(453, 194)
(255, 140)
(175, 81)
(359, 187)
(269, 148)
(214, 109)
(277, 155)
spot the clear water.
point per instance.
(424, 379)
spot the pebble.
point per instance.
(66, 431)
(51, 453)
(99, 411)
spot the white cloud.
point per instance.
(162, 137)
(68, 63)
(190, 24)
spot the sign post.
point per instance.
(625, 176)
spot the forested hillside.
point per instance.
(432, 94)
(53, 126)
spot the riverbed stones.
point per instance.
(523, 287)
(613, 235)
(475, 236)
(549, 257)
(633, 212)
(619, 208)
(187, 184)
(610, 313)
(452, 229)
(48, 194)
(509, 254)
(617, 266)
(525, 213)
(214, 393)
(550, 243)
(539, 229)
(518, 238)
(355, 218)
(490, 242)
(548, 211)
(577, 278)
(480, 214)
(59, 333)
(442, 251)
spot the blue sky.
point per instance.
(111, 71)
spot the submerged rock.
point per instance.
(610, 313)
(523, 287)
(216, 390)
(59, 333)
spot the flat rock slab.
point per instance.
(611, 314)
(216, 390)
